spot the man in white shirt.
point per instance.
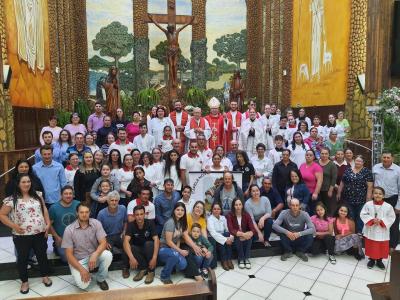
(262, 164)
(144, 141)
(197, 125)
(387, 176)
(268, 122)
(122, 144)
(144, 199)
(204, 152)
(190, 162)
(281, 129)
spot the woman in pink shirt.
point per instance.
(132, 129)
(312, 175)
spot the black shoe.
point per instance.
(371, 263)
(166, 281)
(380, 264)
(103, 285)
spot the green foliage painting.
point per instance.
(232, 47)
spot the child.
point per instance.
(345, 234)
(105, 187)
(324, 239)
(275, 155)
(203, 261)
(166, 141)
(377, 216)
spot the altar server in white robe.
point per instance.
(251, 133)
(269, 122)
(144, 142)
(377, 216)
(156, 125)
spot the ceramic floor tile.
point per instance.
(359, 286)
(347, 259)
(225, 291)
(240, 295)
(277, 264)
(156, 282)
(351, 295)
(219, 271)
(259, 287)
(306, 271)
(319, 261)
(58, 284)
(327, 291)
(9, 289)
(313, 298)
(369, 274)
(233, 278)
(18, 295)
(260, 260)
(363, 265)
(298, 283)
(270, 275)
(341, 267)
(71, 289)
(336, 279)
(281, 293)
(252, 271)
(113, 285)
(6, 242)
(69, 278)
(117, 276)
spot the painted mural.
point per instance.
(28, 53)
(226, 42)
(320, 52)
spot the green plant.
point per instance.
(197, 97)
(63, 117)
(128, 105)
(146, 99)
(82, 108)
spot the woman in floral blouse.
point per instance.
(26, 214)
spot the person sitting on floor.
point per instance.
(141, 245)
(85, 246)
(113, 218)
(203, 261)
(291, 227)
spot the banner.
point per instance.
(204, 184)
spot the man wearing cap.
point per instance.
(217, 124)
(197, 125)
(180, 118)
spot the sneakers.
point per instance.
(286, 255)
(204, 273)
(247, 264)
(139, 276)
(380, 264)
(332, 259)
(149, 277)
(302, 256)
(371, 263)
(242, 265)
(103, 285)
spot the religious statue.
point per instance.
(237, 89)
(111, 86)
(173, 46)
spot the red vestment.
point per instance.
(180, 133)
(230, 134)
(216, 123)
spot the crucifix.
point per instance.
(172, 35)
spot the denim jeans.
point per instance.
(203, 262)
(103, 262)
(243, 248)
(172, 259)
(355, 210)
(61, 253)
(302, 244)
(267, 228)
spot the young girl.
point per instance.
(138, 182)
(172, 168)
(203, 261)
(104, 189)
(377, 216)
(166, 141)
(346, 238)
(324, 239)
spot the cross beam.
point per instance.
(171, 18)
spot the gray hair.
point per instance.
(113, 195)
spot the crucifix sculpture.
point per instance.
(172, 35)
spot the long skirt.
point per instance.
(347, 242)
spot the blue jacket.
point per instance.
(164, 206)
(300, 192)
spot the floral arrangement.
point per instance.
(389, 103)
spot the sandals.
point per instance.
(49, 283)
(24, 292)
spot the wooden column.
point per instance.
(379, 36)
(198, 46)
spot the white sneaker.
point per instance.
(332, 259)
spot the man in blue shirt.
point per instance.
(114, 219)
(51, 174)
(273, 196)
(47, 137)
(79, 147)
(62, 213)
(165, 203)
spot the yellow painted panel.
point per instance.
(28, 89)
(321, 31)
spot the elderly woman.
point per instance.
(333, 143)
(75, 126)
(53, 128)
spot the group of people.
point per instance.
(118, 187)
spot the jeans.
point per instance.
(23, 245)
(355, 212)
(320, 245)
(267, 228)
(223, 251)
(143, 255)
(61, 253)
(172, 259)
(302, 244)
(394, 229)
(115, 240)
(202, 262)
(243, 248)
(103, 262)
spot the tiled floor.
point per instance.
(273, 279)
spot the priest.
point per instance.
(180, 118)
(197, 125)
(217, 124)
(251, 133)
(233, 122)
